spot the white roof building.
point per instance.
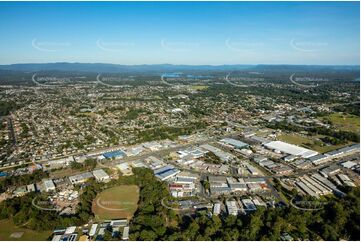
(93, 230)
(101, 175)
(232, 207)
(125, 235)
(70, 230)
(290, 149)
(216, 209)
(348, 164)
(49, 185)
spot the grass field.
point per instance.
(308, 142)
(7, 227)
(116, 202)
(345, 122)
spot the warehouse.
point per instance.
(217, 209)
(248, 205)
(114, 154)
(232, 207)
(235, 143)
(166, 172)
(220, 190)
(125, 235)
(318, 159)
(305, 189)
(49, 185)
(218, 152)
(125, 169)
(80, 178)
(290, 149)
(101, 175)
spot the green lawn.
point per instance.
(346, 122)
(7, 227)
(116, 202)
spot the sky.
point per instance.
(192, 33)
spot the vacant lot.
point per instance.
(309, 142)
(346, 122)
(116, 202)
(8, 228)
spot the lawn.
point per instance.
(346, 122)
(7, 228)
(309, 142)
(116, 202)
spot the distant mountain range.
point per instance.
(157, 68)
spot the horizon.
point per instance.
(214, 65)
(181, 33)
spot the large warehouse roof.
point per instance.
(290, 149)
(234, 142)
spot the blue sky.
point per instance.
(180, 32)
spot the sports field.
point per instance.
(116, 202)
(9, 231)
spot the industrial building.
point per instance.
(166, 172)
(80, 178)
(113, 154)
(217, 209)
(125, 169)
(248, 205)
(290, 149)
(234, 143)
(232, 208)
(125, 235)
(318, 159)
(224, 156)
(100, 175)
(49, 185)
